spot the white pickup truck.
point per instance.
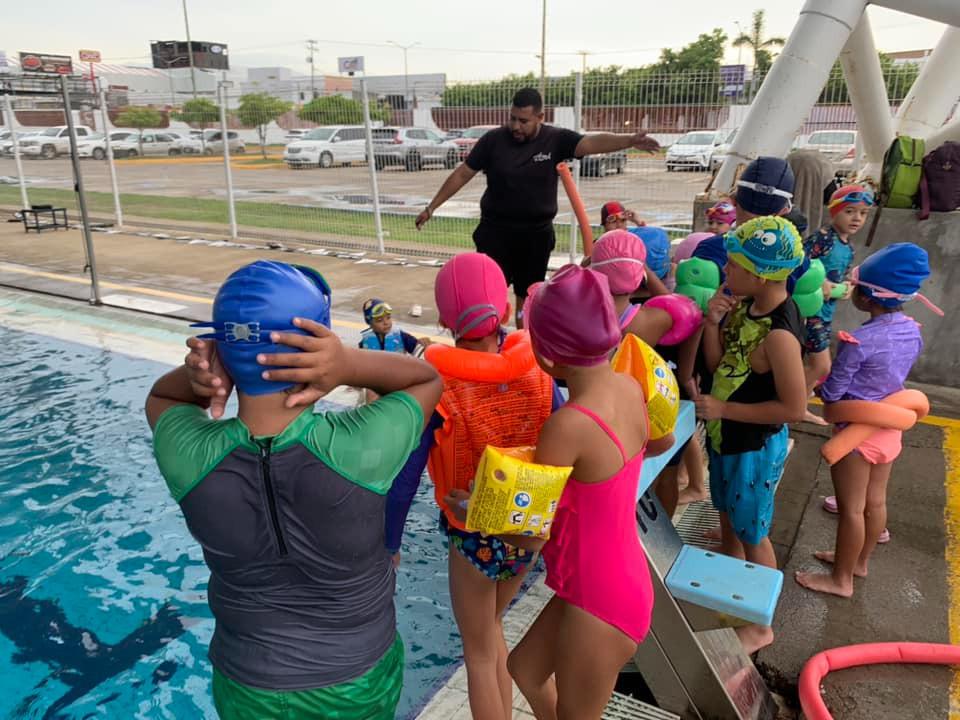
(51, 142)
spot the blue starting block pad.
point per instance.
(725, 585)
(686, 425)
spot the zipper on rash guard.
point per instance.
(268, 489)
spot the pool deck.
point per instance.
(913, 592)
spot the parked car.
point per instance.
(840, 147)
(602, 165)
(327, 146)
(51, 142)
(721, 151)
(211, 144)
(413, 148)
(469, 138)
(148, 143)
(6, 145)
(454, 133)
(96, 147)
(695, 149)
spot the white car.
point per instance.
(723, 149)
(295, 134)
(327, 146)
(97, 147)
(211, 144)
(695, 149)
(51, 142)
(148, 143)
(840, 147)
(6, 144)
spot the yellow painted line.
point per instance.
(6, 267)
(951, 522)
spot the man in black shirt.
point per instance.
(520, 202)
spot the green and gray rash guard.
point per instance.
(292, 529)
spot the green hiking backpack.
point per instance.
(902, 169)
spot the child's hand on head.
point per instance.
(208, 378)
(321, 365)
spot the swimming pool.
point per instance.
(103, 607)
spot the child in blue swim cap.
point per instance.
(280, 498)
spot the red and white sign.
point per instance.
(92, 56)
(42, 63)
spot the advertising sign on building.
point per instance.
(350, 64)
(90, 56)
(48, 64)
(732, 79)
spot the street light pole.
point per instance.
(193, 72)
(312, 48)
(543, 50)
(739, 47)
(406, 91)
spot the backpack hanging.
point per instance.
(940, 180)
(902, 169)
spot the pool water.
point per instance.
(103, 607)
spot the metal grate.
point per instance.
(624, 707)
(696, 520)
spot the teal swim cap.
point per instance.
(769, 247)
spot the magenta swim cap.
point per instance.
(571, 318)
(684, 250)
(471, 295)
(621, 256)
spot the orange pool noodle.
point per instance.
(579, 210)
(899, 411)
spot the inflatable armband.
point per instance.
(684, 312)
(808, 292)
(698, 279)
(513, 495)
(839, 290)
(659, 384)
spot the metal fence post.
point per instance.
(372, 166)
(577, 127)
(222, 87)
(11, 123)
(117, 210)
(81, 195)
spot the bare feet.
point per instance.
(827, 557)
(691, 495)
(754, 637)
(813, 418)
(713, 534)
(823, 582)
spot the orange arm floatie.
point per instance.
(899, 411)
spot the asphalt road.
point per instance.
(645, 186)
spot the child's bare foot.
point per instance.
(813, 418)
(823, 582)
(713, 534)
(827, 557)
(691, 495)
(754, 637)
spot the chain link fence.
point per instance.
(299, 170)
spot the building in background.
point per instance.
(910, 56)
(282, 83)
(404, 92)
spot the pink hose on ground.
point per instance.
(823, 663)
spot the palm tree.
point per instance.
(762, 58)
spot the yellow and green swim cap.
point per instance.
(769, 247)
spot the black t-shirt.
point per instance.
(521, 177)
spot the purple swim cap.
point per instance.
(571, 318)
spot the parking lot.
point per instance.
(645, 186)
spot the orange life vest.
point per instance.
(499, 399)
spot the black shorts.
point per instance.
(522, 254)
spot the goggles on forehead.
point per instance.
(615, 217)
(864, 197)
(883, 293)
(765, 189)
(381, 310)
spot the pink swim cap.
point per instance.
(471, 295)
(571, 318)
(621, 256)
(684, 251)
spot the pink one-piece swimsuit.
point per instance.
(594, 557)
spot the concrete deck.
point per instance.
(913, 591)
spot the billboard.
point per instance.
(47, 64)
(732, 79)
(169, 54)
(90, 56)
(350, 64)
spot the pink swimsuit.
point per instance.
(594, 557)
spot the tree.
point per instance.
(198, 111)
(898, 79)
(140, 118)
(340, 110)
(259, 110)
(704, 53)
(762, 56)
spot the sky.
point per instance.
(475, 40)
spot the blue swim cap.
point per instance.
(893, 275)
(258, 298)
(657, 243)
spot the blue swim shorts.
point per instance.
(818, 334)
(743, 486)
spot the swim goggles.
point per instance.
(865, 197)
(882, 293)
(720, 209)
(615, 217)
(463, 326)
(766, 190)
(380, 310)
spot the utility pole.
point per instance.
(193, 71)
(312, 48)
(406, 91)
(543, 51)
(583, 66)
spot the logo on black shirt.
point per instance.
(540, 157)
